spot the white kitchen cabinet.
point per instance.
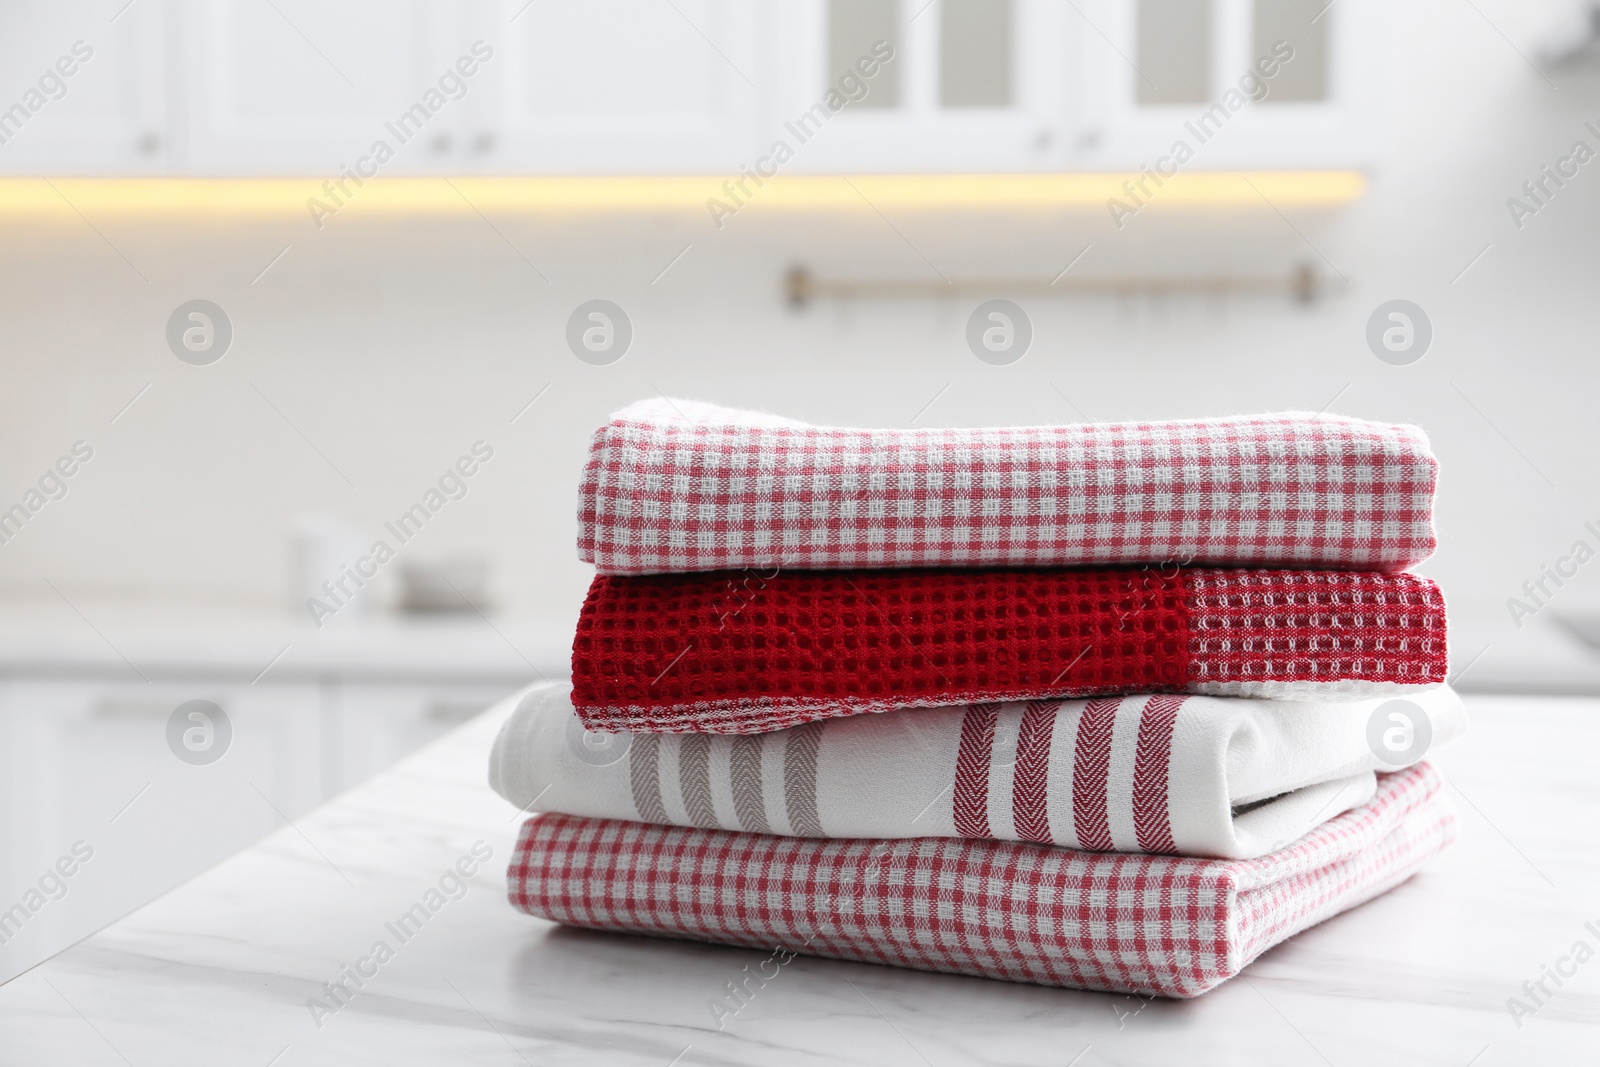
(622, 86)
(1167, 71)
(84, 759)
(973, 85)
(713, 87)
(310, 86)
(1020, 85)
(371, 725)
(90, 763)
(84, 87)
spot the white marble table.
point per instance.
(219, 971)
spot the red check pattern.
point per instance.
(661, 653)
(1157, 925)
(661, 493)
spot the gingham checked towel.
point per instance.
(1156, 925)
(721, 653)
(1183, 775)
(672, 485)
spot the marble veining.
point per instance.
(220, 970)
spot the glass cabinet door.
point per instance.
(955, 85)
(1280, 84)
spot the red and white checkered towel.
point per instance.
(672, 485)
(703, 653)
(1029, 913)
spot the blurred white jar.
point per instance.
(322, 552)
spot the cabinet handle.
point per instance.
(112, 708)
(451, 711)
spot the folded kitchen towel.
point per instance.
(672, 485)
(1159, 925)
(1184, 775)
(720, 653)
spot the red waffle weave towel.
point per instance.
(747, 653)
(673, 485)
(1155, 925)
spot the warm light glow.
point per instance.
(260, 197)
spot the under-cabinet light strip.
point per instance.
(321, 197)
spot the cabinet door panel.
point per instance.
(91, 762)
(83, 90)
(1318, 109)
(375, 725)
(970, 87)
(624, 86)
(301, 86)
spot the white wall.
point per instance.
(393, 346)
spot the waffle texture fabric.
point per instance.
(748, 653)
(1180, 775)
(1156, 925)
(672, 485)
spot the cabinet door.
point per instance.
(83, 90)
(373, 725)
(623, 87)
(972, 85)
(1192, 72)
(91, 762)
(311, 86)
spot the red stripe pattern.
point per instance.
(658, 654)
(1090, 769)
(1151, 818)
(971, 797)
(661, 493)
(1152, 925)
(1030, 786)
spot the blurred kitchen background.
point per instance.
(374, 316)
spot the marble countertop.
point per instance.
(220, 970)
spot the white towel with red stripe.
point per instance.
(1226, 777)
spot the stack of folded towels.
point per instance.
(1086, 705)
